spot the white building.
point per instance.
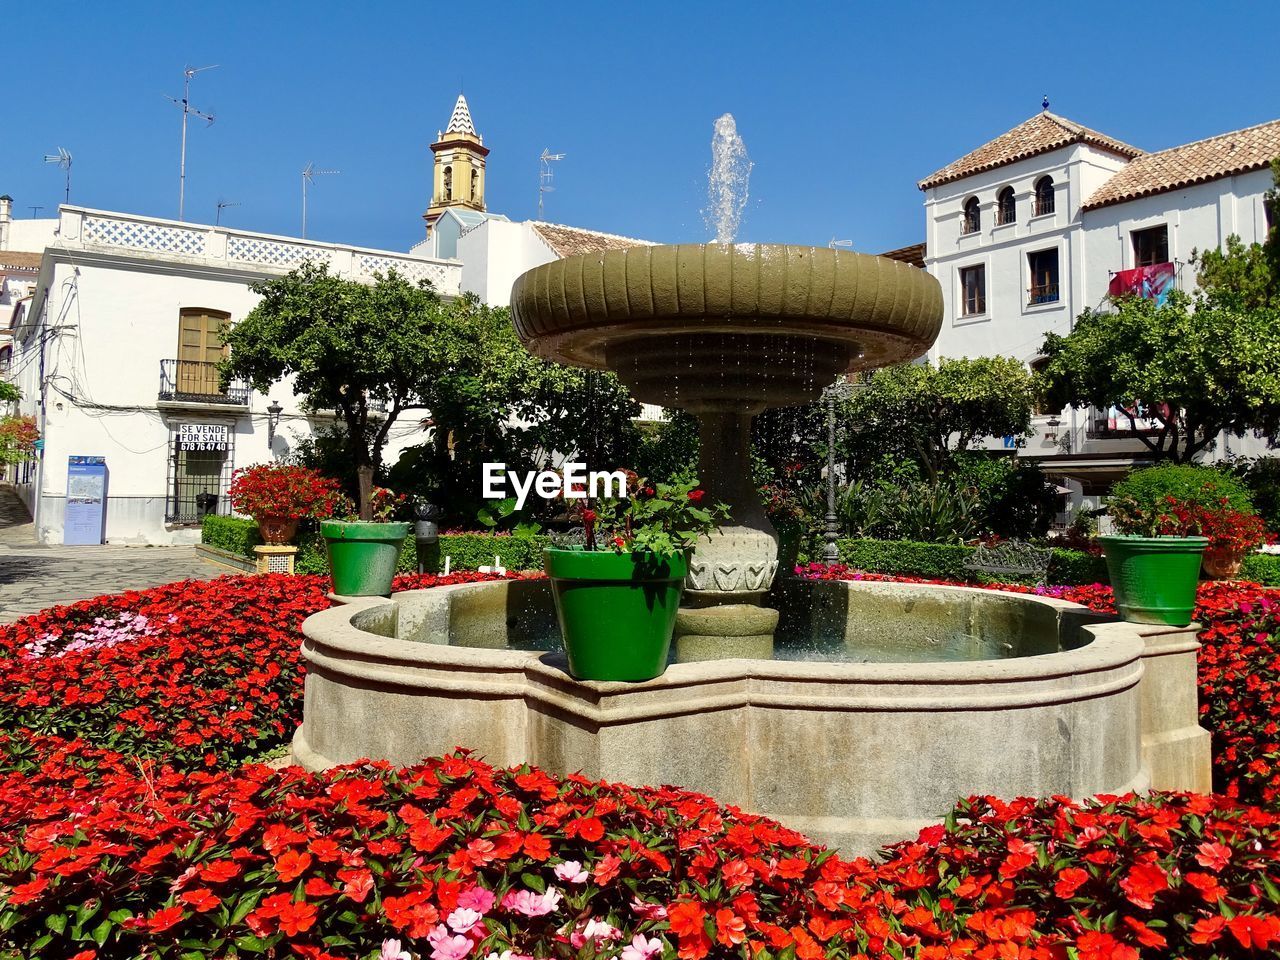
(1036, 226)
(115, 355)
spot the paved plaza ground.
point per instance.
(33, 576)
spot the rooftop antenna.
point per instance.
(63, 159)
(222, 205)
(848, 244)
(187, 109)
(309, 173)
(545, 176)
(34, 211)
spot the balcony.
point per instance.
(194, 382)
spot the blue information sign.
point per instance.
(86, 518)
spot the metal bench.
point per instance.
(1014, 557)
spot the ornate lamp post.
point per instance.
(842, 389)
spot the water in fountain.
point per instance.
(727, 181)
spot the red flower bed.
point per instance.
(127, 830)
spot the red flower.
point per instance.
(291, 865)
(1069, 881)
(731, 929)
(1213, 856)
(695, 496)
(202, 899)
(297, 917)
(163, 919)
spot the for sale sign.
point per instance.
(204, 436)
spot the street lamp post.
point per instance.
(842, 389)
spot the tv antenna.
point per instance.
(34, 211)
(63, 159)
(187, 110)
(847, 244)
(222, 205)
(545, 176)
(309, 173)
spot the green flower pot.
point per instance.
(1155, 578)
(617, 611)
(363, 556)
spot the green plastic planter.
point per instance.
(617, 611)
(363, 556)
(1155, 578)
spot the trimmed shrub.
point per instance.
(467, 551)
(236, 535)
(1186, 483)
(1263, 568)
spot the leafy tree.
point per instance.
(9, 393)
(935, 413)
(349, 347)
(1241, 276)
(1198, 367)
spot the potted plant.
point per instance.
(1154, 562)
(1232, 534)
(277, 496)
(364, 554)
(617, 594)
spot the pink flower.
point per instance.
(597, 930)
(463, 920)
(446, 947)
(477, 898)
(571, 872)
(642, 949)
(648, 911)
(532, 904)
(391, 951)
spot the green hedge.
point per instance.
(1263, 568)
(233, 534)
(466, 551)
(944, 561)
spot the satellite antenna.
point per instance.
(63, 159)
(222, 205)
(309, 173)
(187, 109)
(545, 176)
(847, 244)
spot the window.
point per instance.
(1042, 267)
(1006, 209)
(475, 184)
(200, 461)
(1044, 196)
(1151, 246)
(972, 216)
(200, 347)
(448, 183)
(973, 288)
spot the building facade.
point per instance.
(1049, 219)
(116, 354)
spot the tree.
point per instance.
(934, 413)
(349, 347)
(1197, 366)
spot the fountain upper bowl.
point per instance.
(707, 326)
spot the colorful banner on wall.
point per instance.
(1153, 282)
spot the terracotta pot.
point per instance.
(1223, 563)
(277, 530)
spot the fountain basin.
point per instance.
(852, 753)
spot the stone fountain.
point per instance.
(725, 331)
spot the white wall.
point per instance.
(31, 235)
(495, 253)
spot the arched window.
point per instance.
(1006, 211)
(448, 183)
(475, 184)
(972, 216)
(1044, 196)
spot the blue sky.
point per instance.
(843, 106)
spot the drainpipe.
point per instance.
(6, 217)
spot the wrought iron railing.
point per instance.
(1044, 205)
(1004, 216)
(198, 382)
(1043, 293)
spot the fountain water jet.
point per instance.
(727, 180)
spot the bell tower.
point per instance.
(458, 173)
